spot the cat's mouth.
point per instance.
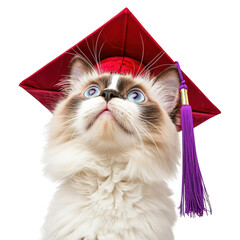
(107, 114)
(106, 110)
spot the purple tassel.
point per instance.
(194, 199)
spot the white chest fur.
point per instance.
(103, 204)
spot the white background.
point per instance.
(202, 35)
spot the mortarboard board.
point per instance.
(122, 45)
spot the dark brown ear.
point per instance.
(78, 67)
(168, 83)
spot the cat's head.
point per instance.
(114, 116)
(114, 111)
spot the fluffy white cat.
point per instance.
(112, 145)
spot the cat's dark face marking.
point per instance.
(122, 86)
(102, 81)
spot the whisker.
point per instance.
(95, 50)
(131, 134)
(81, 56)
(142, 54)
(161, 65)
(138, 134)
(75, 51)
(152, 62)
(99, 55)
(155, 61)
(149, 136)
(96, 43)
(153, 126)
(144, 69)
(85, 56)
(90, 50)
(74, 54)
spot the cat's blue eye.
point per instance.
(92, 91)
(136, 96)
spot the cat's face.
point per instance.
(113, 111)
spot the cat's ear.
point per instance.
(79, 67)
(167, 86)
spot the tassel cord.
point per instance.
(194, 199)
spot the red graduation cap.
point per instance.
(118, 46)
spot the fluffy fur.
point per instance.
(112, 165)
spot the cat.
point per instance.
(112, 145)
